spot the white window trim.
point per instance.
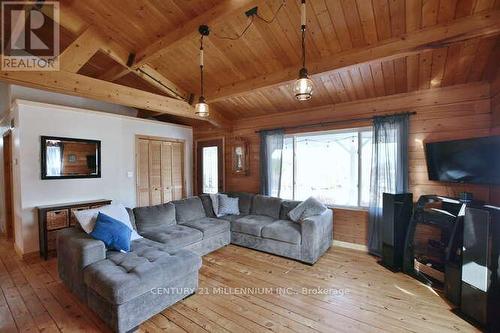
(359, 130)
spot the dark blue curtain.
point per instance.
(271, 153)
(389, 170)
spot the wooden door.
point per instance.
(210, 166)
(155, 188)
(8, 185)
(160, 171)
(142, 158)
(178, 170)
(166, 172)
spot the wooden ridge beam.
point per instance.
(190, 29)
(483, 24)
(84, 86)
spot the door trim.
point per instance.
(195, 160)
(10, 225)
(161, 139)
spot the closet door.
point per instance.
(142, 157)
(155, 172)
(166, 172)
(178, 170)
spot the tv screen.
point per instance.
(465, 161)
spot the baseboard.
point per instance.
(26, 256)
(352, 246)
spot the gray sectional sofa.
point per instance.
(125, 289)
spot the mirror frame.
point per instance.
(43, 146)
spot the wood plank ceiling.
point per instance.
(334, 27)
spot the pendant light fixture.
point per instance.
(303, 87)
(201, 108)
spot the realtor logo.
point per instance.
(30, 36)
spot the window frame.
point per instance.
(359, 131)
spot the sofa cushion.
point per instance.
(173, 236)
(245, 201)
(231, 218)
(283, 230)
(228, 206)
(207, 205)
(209, 226)
(189, 209)
(122, 277)
(251, 224)
(309, 207)
(154, 216)
(286, 207)
(114, 234)
(264, 205)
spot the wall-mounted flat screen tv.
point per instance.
(475, 161)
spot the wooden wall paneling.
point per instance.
(388, 73)
(484, 49)
(400, 72)
(438, 66)
(456, 112)
(452, 63)
(142, 172)
(378, 78)
(412, 72)
(424, 69)
(366, 75)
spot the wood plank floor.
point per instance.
(346, 291)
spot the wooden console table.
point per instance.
(52, 218)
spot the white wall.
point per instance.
(36, 95)
(117, 135)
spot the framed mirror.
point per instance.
(64, 158)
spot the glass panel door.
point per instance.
(210, 170)
(210, 166)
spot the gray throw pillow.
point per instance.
(228, 206)
(305, 209)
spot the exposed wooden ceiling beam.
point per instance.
(458, 30)
(190, 29)
(84, 86)
(78, 53)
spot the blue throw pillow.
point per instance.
(114, 234)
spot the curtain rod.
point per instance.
(326, 123)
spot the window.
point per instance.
(332, 166)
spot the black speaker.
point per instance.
(397, 211)
(480, 298)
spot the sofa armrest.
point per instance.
(317, 235)
(75, 251)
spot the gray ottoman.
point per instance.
(126, 289)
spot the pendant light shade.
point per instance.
(201, 108)
(303, 87)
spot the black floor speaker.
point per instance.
(480, 299)
(397, 211)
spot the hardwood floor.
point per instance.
(374, 299)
